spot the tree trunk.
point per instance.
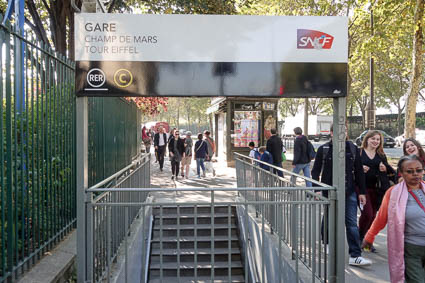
(398, 120)
(416, 79)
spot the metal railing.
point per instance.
(37, 146)
(293, 214)
(299, 216)
(110, 225)
(38, 150)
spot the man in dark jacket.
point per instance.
(176, 151)
(160, 142)
(354, 176)
(275, 146)
(301, 159)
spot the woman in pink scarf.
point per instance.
(403, 208)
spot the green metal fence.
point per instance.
(37, 168)
(37, 160)
(114, 136)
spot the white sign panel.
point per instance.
(210, 38)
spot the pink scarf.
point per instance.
(395, 232)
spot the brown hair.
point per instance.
(418, 145)
(380, 149)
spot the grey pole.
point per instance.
(82, 185)
(337, 209)
(83, 248)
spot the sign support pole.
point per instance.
(84, 217)
(82, 185)
(337, 215)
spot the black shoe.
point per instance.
(160, 169)
(172, 177)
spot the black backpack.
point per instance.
(311, 152)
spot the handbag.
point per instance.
(283, 156)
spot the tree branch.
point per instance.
(39, 28)
(112, 6)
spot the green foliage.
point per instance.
(41, 168)
(420, 123)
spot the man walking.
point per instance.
(301, 158)
(275, 146)
(354, 176)
(187, 159)
(159, 142)
(211, 151)
(176, 151)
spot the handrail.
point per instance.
(256, 161)
(119, 173)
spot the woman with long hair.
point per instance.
(375, 167)
(412, 146)
(403, 208)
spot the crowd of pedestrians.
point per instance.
(386, 196)
(181, 150)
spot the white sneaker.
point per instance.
(359, 261)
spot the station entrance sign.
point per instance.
(210, 55)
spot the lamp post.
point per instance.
(371, 111)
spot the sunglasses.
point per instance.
(412, 171)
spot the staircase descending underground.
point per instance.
(186, 245)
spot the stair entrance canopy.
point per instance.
(214, 55)
(198, 55)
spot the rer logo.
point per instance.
(313, 39)
(96, 78)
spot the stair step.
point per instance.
(191, 209)
(191, 220)
(197, 239)
(191, 244)
(199, 215)
(192, 227)
(200, 265)
(192, 251)
(203, 279)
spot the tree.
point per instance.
(416, 79)
(150, 106)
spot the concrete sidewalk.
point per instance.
(226, 178)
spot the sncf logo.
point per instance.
(313, 39)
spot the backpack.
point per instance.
(311, 152)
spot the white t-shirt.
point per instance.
(161, 141)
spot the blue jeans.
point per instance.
(200, 163)
(306, 171)
(351, 228)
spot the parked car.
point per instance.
(420, 137)
(388, 140)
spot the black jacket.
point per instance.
(354, 174)
(156, 139)
(275, 146)
(180, 146)
(301, 150)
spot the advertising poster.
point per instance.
(246, 128)
(269, 123)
